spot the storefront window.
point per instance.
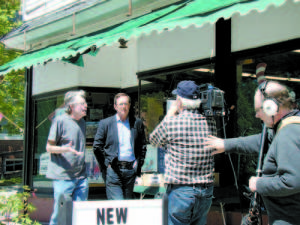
(152, 110)
(100, 105)
(45, 112)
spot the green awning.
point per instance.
(192, 13)
(52, 53)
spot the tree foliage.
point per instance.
(12, 84)
(247, 125)
(9, 14)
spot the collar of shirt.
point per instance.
(190, 110)
(119, 119)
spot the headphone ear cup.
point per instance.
(270, 107)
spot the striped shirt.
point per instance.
(187, 161)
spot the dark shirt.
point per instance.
(280, 183)
(67, 166)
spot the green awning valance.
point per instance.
(191, 13)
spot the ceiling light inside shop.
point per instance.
(253, 75)
(205, 70)
(247, 61)
(272, 77)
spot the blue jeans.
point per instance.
(78, 189)
(188, 204)
(119, 187)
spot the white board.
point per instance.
(129, 212)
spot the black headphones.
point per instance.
(270, 105)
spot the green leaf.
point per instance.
(12, 84)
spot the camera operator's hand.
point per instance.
(217, 144)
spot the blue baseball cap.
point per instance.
(187, 89)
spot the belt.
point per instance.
(125, 164)
(203, 185)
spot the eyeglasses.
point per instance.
(125, 104)
(80, 103)
(258, 109)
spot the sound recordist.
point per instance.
(279, 185)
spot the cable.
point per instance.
(233, 170)
(234, 174)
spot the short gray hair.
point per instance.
(189, 103)
(70, 97)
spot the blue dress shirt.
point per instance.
(125, 149)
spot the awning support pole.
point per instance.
(74, 23)
(139, 98)
(225, 70)
(129, 8)
(29, 131)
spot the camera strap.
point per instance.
(289, 120)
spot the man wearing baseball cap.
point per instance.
(188, 165)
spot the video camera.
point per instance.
(212, 100)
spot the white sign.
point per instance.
(129, 212)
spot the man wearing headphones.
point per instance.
(279, 185)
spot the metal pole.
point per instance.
(129, 8)
(74, 23)
(28, 132)
(139, 98)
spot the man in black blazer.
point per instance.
(120, 149)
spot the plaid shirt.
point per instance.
(187, 161)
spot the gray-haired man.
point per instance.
(66, 145)
(188, 165)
